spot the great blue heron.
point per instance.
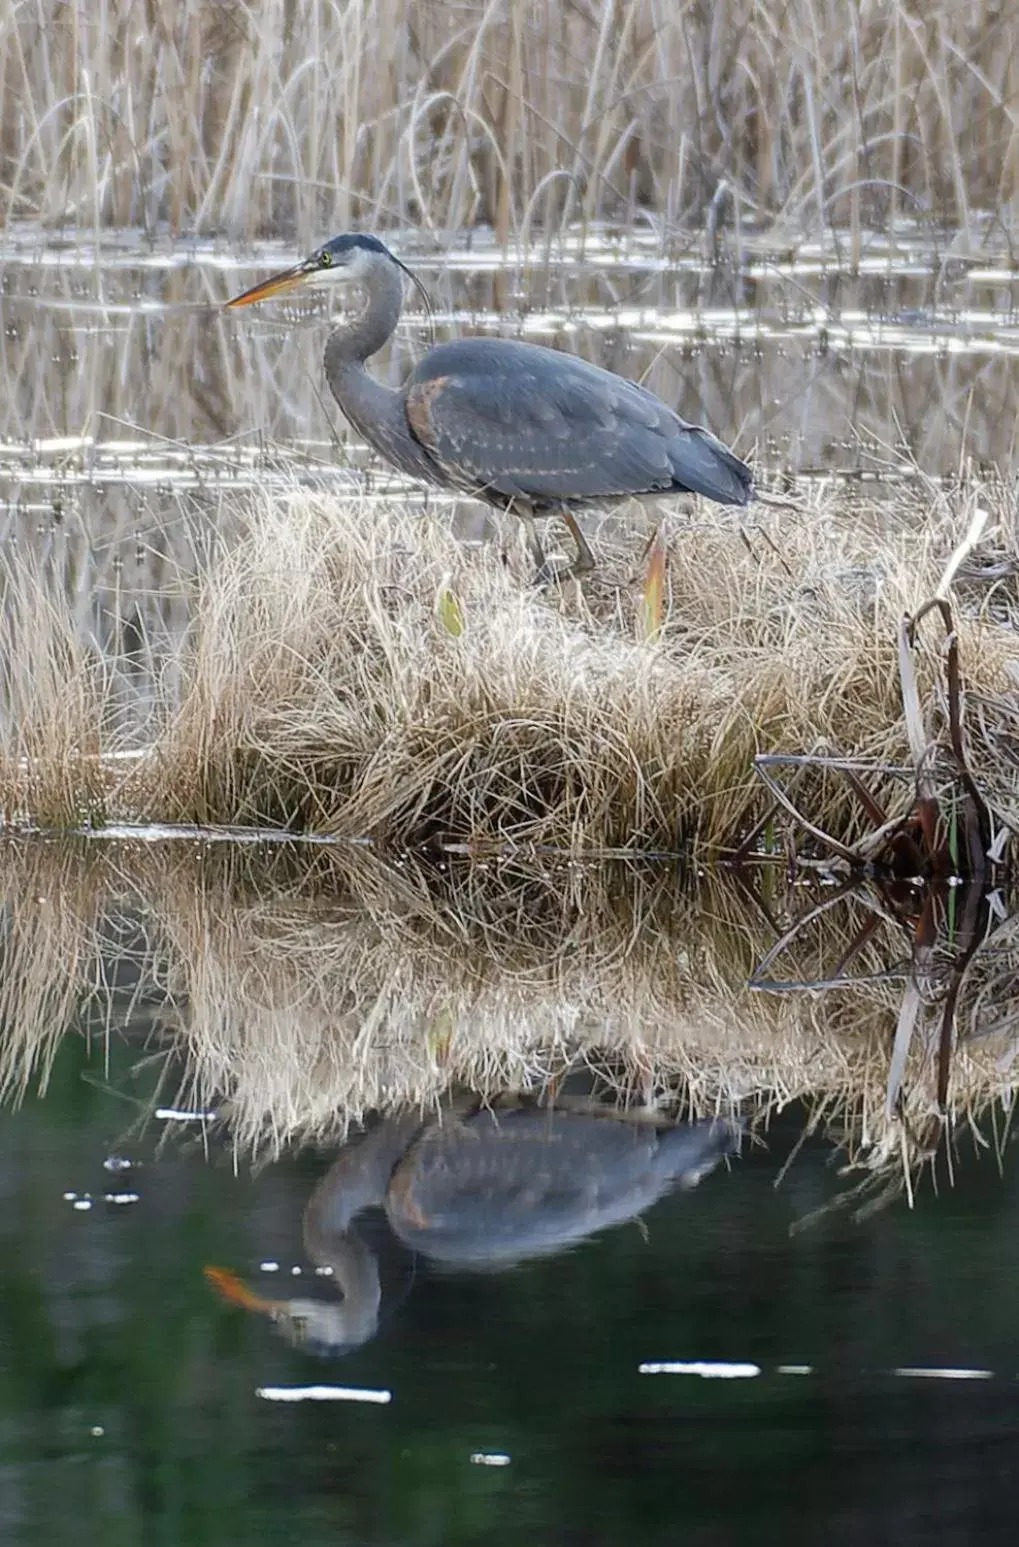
(510, 423)
(486, 1192)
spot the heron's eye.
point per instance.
(325, 260)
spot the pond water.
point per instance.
(134, 1399)
(832, 1372)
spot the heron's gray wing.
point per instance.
(522, 421)
(499, 1188)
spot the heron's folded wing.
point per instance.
(545, 426)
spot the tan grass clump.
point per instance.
(358, 672)
(309, 116)
(352, 670)
(57, 941)
(53, 698)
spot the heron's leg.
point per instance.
(537, 552)
(584, 562)
(545, 573)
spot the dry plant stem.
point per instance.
(863, 937)
(909, 1013)
(759, 980)
(763, 765)
(956, 731)
(972, 942)
(977, 831)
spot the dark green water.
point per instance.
(128, 1405)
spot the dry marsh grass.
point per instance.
(294, 996)
(351, 670)
(260, 118)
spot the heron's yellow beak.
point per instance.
(276, 284)
(238, 1293)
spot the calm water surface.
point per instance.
(130, 1405)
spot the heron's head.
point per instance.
(350, 259)
(315, 1326)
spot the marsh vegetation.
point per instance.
(521, 116)
(218, 618)
(352, 669)
(316, 814)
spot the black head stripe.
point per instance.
(352, 240)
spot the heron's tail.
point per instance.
(688, 1152)
(704, 466)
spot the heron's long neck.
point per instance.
(375, 411)
(358, 340)
(356, 1180)
(355, 1274)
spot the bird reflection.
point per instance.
(482, 1192)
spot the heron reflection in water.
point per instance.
(516, 425)
(486, 1192)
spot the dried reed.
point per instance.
(308, 117)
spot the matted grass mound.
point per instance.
(351, 669)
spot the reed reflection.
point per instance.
(297, 992)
